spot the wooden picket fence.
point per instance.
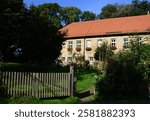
(41, 85)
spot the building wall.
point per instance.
(89, 55)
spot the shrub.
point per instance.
(123, 80)
(126, 77)
(102, 54)
(32, 68)
(86, 63)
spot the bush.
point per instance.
(126, 77)
(123, 81)
(32, 68)
(86, 64)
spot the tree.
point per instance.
(42, 42)
(11, 21)
(70, 15)
(53, 12)
(87, 16)
(127, 76)
(121, 10)
(108, 11)
(29, 35)
(103, 54)
(139, 7)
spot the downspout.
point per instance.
(84, 49)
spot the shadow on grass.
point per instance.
(84, 94)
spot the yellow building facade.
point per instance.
(84, 41)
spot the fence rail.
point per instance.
(41, 85)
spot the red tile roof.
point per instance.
(123, 25)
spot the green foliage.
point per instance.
(34, 100)
(86, 63)
(32, 68)
(87, 16)
(78, 59)
(121, 10)
(103, 53)
(11, 21)
(43, 42)
(85, 79)
(33, 32)
(30, 35)
(127, 76)
(70, 15)
(53, 12)
(108, 11)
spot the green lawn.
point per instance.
(85, 79)
(34, 100)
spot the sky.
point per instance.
(90, 5)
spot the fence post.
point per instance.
(72, 80)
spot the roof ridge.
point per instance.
(109, 19)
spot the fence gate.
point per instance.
(41, 85)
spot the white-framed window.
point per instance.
(91, 59)
(89, 43)
(78, 43)
(126, 42)
(70, 44)
(99, 42)
(113, 42)
(141, 40)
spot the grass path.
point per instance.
(85, 85)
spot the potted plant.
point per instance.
(113, 47)
(69, 49)
(88, 48)
(78, 49)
